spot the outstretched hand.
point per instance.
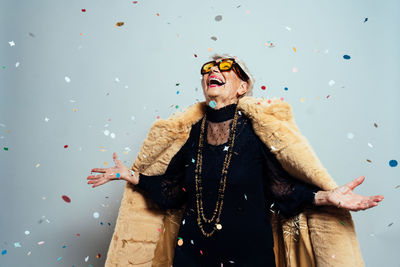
(344, 197)
(119, 171)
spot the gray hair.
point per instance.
(241, 63)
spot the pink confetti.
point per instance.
(66, 198)
(40, 243)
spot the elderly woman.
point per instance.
(228, 181)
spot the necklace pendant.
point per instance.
(219, 226)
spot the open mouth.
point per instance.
(215, 82)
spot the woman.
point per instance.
(228, 182)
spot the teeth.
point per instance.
(215, 79)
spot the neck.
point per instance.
(222, 114)
(221, 102)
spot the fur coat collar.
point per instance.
(146, 236)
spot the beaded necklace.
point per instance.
(221, 190)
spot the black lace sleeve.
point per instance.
(287, 195)
(168, 190)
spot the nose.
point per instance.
(214, 69)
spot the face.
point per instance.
(227, 93)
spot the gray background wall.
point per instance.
(122, 78)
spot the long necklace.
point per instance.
(221, 190)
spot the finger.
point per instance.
(355, 182)
(99, 183)
(97, 176)
(99, 170)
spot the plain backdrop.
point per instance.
(75, 87)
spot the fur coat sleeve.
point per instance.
(324, 236)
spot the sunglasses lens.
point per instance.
(226, 64)
(207, 67)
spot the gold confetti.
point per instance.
(209, 49)
(219, 226)
(294, 49)
(369, 160)
(302, 100)
(105, 163)
(75, 109)
(180, 242)
(119, 24)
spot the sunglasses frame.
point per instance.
(235, 67)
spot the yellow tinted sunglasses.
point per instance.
(225, 65)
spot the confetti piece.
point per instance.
(78, 234)
(135, 2)
(294, 49)
(112, 135)
(201, 252)
(176, 106)
(64, 246)
(285, 89)
(393, 163)
(398, 186)
(4, 252)
(83, 10)
(106, 132)
(87, 258)
(341, 222)
(66, 198)
(59, 258)
(288, 28)
(183, 222)
(350, 135)
(212, 104)
(67, 79)
(27, 232)
(180, 241)
(96, 215)
(295, 69)
(213, 38)
(390, 224)
(17, 245)
(117, 80)
(6, 148)
(191, 241)
(368, 160)
(65, 146)
(119, 24)
(331, 83)
(365, 20)
(346, 57)
(17, 64)
(245, 196)
(370, 145)
(302, 100)
(11, 43)
(376, 125)
(218, 18)
(333, 256)
(263, 87)
(158, 14)
(98, 255)
(118, 175)
(46, 119)
(159, 230)
(209, 50)
(195, 55)
(41, 243)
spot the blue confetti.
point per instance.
(286, 89)
(177, 92)
(212, 104)
(59, 258)
(4, 252)
(346, 57)
(101, 223)
(118, 175)
(393, 163)
(64, 246)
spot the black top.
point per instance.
(256, 185)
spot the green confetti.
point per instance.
(6, 148)
(341, 222)
(4, 67)
(177, 84)
(176, 106)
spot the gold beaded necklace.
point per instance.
(221, 190)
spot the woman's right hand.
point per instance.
(118, 172)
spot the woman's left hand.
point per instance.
(344, 197)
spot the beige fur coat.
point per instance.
(146, 236)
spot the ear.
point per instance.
(242, 88)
